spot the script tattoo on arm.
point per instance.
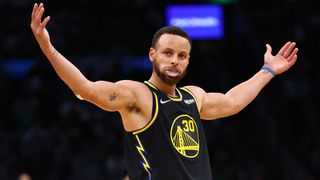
(55, 53)
(113, 97)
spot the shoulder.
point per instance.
(198, 92)
(133, 85)
(139, 89)
(129, 83)
(195, 90)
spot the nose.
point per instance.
(174, 60)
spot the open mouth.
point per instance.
(172, 72)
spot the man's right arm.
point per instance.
(107, 95)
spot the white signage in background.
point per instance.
(193, 22)
(203, 21)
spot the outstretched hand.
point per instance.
(283, 60)
(39, 27)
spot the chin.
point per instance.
(170, 80)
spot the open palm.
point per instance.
(283, 60)
(38, 26)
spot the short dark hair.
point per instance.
(169, 30)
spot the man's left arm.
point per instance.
(217, 105)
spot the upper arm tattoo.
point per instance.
(113, 97)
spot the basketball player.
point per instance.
(164, 137)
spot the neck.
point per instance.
(163, 87)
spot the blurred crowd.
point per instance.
(47, 133)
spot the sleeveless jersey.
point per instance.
(172, 145)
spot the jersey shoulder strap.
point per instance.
(151, 86)
(192, 95)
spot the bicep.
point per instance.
(216, 105)
(108, 96)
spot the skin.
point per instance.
(24, 176)
(170, 58)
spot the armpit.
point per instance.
(133, 107)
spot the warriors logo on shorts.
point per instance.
(184, 136)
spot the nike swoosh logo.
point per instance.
(163, 102)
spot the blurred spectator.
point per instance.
(25, 176)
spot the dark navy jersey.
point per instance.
(172, 145)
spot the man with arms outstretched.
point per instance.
(164, 137)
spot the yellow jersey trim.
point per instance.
(151, 85)
(171, 98)
(153, 118)
(176, 98)
(194, 97)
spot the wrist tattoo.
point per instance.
(265, 71)
(113, 97)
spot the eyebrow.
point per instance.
(166, 49)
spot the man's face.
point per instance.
(170, 58)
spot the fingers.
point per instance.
(293, 61)
(36, 17)
(292, 55)
(284, 48)
(289, 51)
(39, 14)
(36, 10)
(45, 22)
(35, 7)
(269, 48)
(39, 8)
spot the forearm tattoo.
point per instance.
(113, 97)
(55, 53)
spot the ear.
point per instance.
(152, 54)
